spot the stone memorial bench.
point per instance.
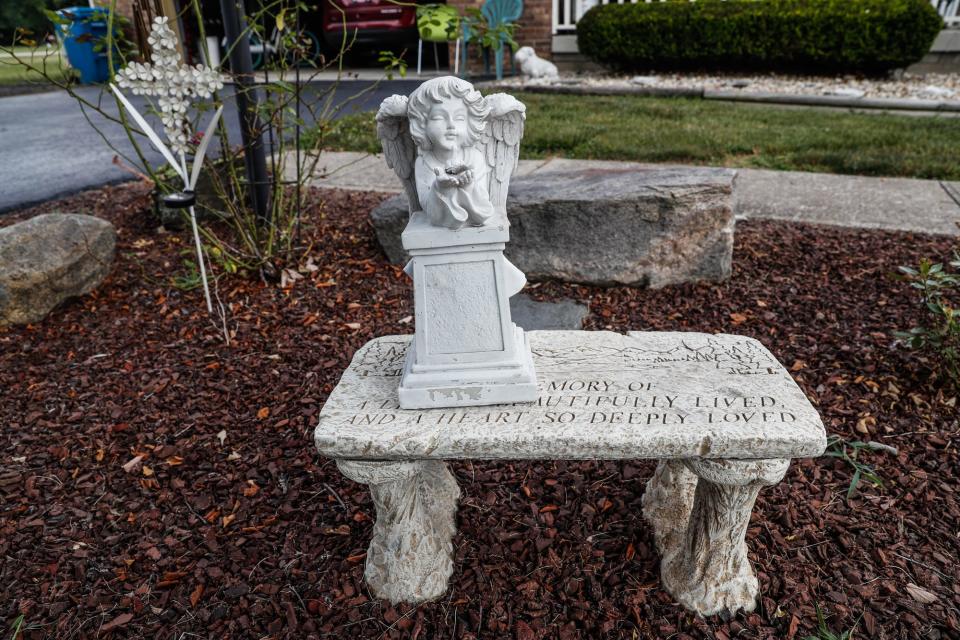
(719, 412)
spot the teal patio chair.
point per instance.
(496, 13)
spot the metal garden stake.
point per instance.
(174, 85)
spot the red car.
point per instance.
(378, 23)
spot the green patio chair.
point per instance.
(438, 23)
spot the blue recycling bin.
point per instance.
(87, 29)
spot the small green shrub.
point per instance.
(939, 337)
(849, 452)
(823, 631)
(867, 36)
(352, 132)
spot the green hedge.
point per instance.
(868, 36)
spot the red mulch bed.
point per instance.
(234, 527)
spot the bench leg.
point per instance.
(410, 558)
(667, 503)
(708, 572)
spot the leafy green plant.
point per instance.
(823, 632)
(353, 132)
(120, 26)
(940, 337)
(189, 279)
(15, 626)
(393, 63)
(849, 452)
(433, 19)
(19, 626)
(488, 36)
(27, 16)
(866, 36)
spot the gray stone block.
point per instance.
(388, 219)
(533, 315)
(51, 258)
(608, 225)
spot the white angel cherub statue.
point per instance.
(454, 150)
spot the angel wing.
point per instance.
(393, 130)
(501, 141)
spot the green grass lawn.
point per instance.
(12, 72)
(680, 130)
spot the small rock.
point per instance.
(133, 465)
(934, 91)
(846, 92)
(49, 259)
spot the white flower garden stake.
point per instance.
(174, 85)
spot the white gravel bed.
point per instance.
(933, 86)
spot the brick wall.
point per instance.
(124, 7)
(170, 8)
(535, 28)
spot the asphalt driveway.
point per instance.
(48, 149)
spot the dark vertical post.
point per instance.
(241, 64)
(296, 134)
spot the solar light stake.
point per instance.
(174, 84)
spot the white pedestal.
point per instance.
(467, 351)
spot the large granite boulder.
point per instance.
(608, 225)
(48, 259)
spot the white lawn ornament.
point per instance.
(455, 151)
(174, 85)
(533, 67)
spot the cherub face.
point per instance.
(447, 124)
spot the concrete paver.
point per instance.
(901, 204)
